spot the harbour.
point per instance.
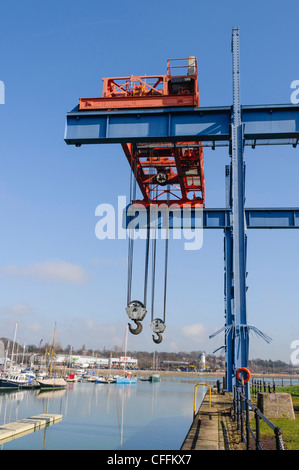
(115, 417)
(143, 416)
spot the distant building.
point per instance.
(203, 361)
(92, 361)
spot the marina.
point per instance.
(139, 416)
(109, 416)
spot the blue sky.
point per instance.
(52, 266)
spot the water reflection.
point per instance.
(106, 416)
(103, 416)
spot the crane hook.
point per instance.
(137, 330)
(158, 326)
(157, 340)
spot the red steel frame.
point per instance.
(149, 90)
(181, 163)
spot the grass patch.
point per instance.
(289, 427)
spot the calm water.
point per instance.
(142, 416)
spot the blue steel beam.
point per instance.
(258, 218)
(271, 124)
(216, 218)
(147, 125)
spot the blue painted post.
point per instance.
(228, 295)
(241, 337)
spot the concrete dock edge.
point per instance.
(16, 429)
(211, 428)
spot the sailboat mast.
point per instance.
(50, 372)
(13, 345)
(126, 344)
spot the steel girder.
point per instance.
(214, 218)
(262, 125)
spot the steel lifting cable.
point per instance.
(154, 252)
(146, 263)
(158, 325)
(136, 311)
(147, 248)
(166, 258)
(131, 240)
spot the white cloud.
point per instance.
(20, 309)
(196, 332)
(61, 271)
(92, 330)
(17, 310)
(35, 327)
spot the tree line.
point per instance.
(181, 359)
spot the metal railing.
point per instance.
(260, 386)
(195, 394)
(242, 411)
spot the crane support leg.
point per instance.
(228, 289)
(240, 341)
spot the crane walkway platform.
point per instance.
(10, 431)
(212, 427)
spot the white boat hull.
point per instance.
(126, 380)
(52, 383)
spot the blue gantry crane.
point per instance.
(234, 127)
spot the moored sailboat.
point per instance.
(16, 380)
(52, 382)
(105, 380)
(15, 377)
(127, 377)
(155, 377)
(72, 378)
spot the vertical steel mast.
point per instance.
(239, 327)
(228, 287)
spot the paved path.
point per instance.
(212, 428)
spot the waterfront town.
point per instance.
(85, 358)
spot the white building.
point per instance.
(92, 361)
